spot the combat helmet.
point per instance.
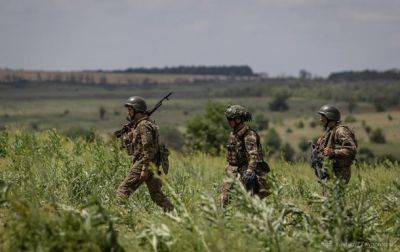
(238, 112)
(331, 112)
(137, 103)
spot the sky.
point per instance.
(278, 37)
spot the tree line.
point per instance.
(243, 70)
(391, 74)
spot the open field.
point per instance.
(58, 194)
(64, 106)
(104, 78)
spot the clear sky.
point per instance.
(273, 36)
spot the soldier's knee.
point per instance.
(123, 192)
(225, 187)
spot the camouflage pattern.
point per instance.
(342, 141)
(244, 152)
(144, 147)
(238, 112)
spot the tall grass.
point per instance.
(59, 194)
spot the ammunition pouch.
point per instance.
(128, 145)
(263, 167)
(162, 158)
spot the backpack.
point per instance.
(262, 166)
(162, 154)
(162, 158)
(352, 134)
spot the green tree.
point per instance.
(102, 113)
(260, 122)
(365, 155)
(288, 152)
(300, 124)
(352, 105)
(272, 141)
(377, 136)
(304, 145)
(208, 131)
(280, 102)
(172, 137)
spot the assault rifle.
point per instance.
(129, 125)
(318, 165)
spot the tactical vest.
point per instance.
(330, 140)
(236, 149)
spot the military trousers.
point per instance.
(154, 184)
(342, 173)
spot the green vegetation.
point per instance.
(59, 194)
(350, 119)
(272, 141)
(208, 132)
(377, 136)
(279, 103)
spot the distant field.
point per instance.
(63, 106)
(104, 78)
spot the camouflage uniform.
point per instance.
(244, 152)
(144, 147)
(341, 140)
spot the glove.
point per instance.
(249, 179)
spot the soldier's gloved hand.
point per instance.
(328, 152)
(248, 175)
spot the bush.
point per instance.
(288, 152)
(377, 136)
(289, 130)
(172, 137)
(387, 157)
(260, 122)
(3, 143)
(280, 102)
(304, 145)
(49, 206)
(34, 126)
(365, 154)
(367, 129)
(390, 118)
(300, 124)
(380, 104)
(272, 141)
(350, 119)
(102, 113)
(313, 124)
(82, 133)
(59, 228)
(208, 131)
(352, 105)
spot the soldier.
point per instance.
(143, 144)
(338, 142)
(244, 155)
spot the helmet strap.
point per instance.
(330, 124)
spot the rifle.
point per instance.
(317, 165)
(129, 125)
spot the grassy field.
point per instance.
(102, 78)
(66, 106)
(59, 194)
